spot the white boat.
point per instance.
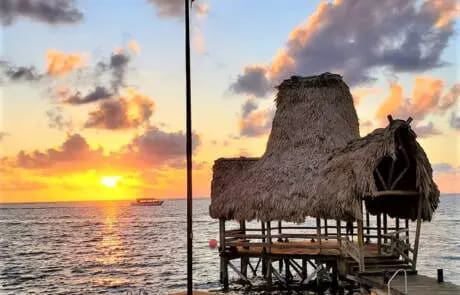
(147, 202)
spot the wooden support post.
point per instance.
(385, 227)
(361, 241)
(264, 262)
(407, 232)
(368, 225)
(225, 273)
(361, 245)
(304, 268)
(417, 231)
(280, 231)
(339, 233)
(222, 250)
(325, 228)
(288, 270)
(269, 273)
(397, 227)
(318, 231)
(379, 234)
(244, 261)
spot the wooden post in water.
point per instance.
(417, 231)
(223, 259)
(264, 250)
(269, 260)
(361, 241)
(244, 260)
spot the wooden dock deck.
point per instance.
(416, 284)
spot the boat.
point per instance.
(147, 202)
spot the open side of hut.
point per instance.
(316, 165)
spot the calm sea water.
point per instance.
(115, 248)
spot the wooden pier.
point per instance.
(416, 284)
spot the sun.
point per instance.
(110, 181)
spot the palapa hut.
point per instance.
(317, 165)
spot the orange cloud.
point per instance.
(61, 64)
(361, 92)
(427, 98)
(447, 12)
(134, 46)
(130, 110)
(393, 103)
(426, 94)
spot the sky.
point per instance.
(92, 100)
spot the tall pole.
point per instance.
(188, 110)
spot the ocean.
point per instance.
(115, 248)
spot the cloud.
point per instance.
(427, 98)
(156, 147)
(134, 46)
(152, 149)
(3, 135)
(99, 93)
(454, 121)
(254, 122)
(47, 11)
(19, 74)
(57, 121)
(253, 81)
(74, 150)
(450, 98)
(130, 110)
(407, 39)
(361, 92)
(447, 177)
(176, 9)
(427, 130)
(61, 63)
(442, 167)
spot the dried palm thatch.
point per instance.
(316, 164)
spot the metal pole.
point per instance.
(188, 111)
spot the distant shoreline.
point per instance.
(130, 200)
(96, 201)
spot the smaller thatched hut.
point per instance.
(316, 165)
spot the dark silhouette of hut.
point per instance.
(316, 165)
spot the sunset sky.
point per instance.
(92, 92)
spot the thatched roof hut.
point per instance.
(317, 165)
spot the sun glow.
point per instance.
(110, 181)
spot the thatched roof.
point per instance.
(296, 176)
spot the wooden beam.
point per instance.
(392, 193)
(240, 274)
(417, 231)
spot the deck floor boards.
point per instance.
(417, 284)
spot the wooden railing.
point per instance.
(399, 245)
